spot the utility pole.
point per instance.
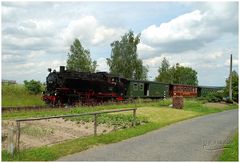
(230, 79)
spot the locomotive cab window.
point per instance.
(135, 86)
(110, 88)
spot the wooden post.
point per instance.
(18, 136)
(10, 140)
(134, 117)
(95, 124)
(230, 79)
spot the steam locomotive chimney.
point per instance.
(62, 68)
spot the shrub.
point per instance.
(214, 96)
(33, 87)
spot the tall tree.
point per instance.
(176, 74)
(79, 58)
(124, 58)
(184, 75)
(234, 86)
(164, 72)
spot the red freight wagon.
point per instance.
(183, 90)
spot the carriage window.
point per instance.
(141, 87)
(135, 86)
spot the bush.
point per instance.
(33, 87)
(215, 96)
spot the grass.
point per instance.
(17, 95)
(157, 114)
(230, 152)
(77, 110)
(198, 106)
(165, 116)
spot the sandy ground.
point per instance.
(48, 132)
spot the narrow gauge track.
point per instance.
(18, 108)
(37, 108)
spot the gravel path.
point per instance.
(197, 139)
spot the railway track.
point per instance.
(18, 108)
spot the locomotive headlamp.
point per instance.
(49, 70)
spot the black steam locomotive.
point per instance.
(72, 87)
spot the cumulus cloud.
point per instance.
(234, 62)
(30, 70)
(89, 30)
(192, 30)
(102, 65)
(145, 51)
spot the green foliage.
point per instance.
(17, 95)
(234, 86)
(176, 74)
(124, 58)
(33, 87)
(117, 120)
(164, 72)
(165, 102)
(79, 58)
(230, 152)
(214, 96)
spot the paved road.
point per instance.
(197, 139)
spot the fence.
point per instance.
(95, 114)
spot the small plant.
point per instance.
(165, 102)
(118, 120)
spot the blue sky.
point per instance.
(37, 35)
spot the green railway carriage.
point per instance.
(147, 89)
(204, 90)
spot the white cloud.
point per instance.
(192, 30)
(235, 62)
(36, 54)
(145, 51)
(102, 65)
(180, 28)
(31, 28)
(7, 11)
(89, 30)
(31, 69)
(27, 43)
(155, 62)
